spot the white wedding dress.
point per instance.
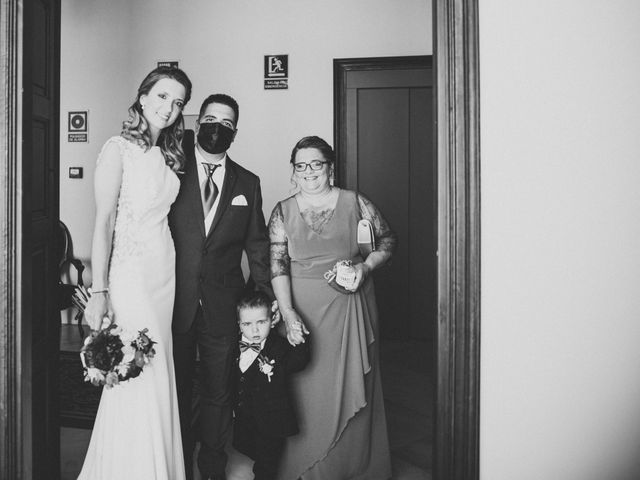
(137, 431)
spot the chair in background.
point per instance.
(70, 294)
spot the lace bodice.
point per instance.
(148, 189)
(386, 238)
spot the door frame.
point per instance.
(455, 28)
(12, 430)
(457, 439)
(457, 397)
(346, 119)
(341, 67)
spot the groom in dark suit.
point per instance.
(216, 216)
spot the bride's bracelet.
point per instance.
(102, 290)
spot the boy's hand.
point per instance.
(275, 313)
(296, 329)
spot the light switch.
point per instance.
(75, 172)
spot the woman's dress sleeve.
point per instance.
(279, 251)
(386, 239)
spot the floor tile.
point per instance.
(419, 453)
(408, 392)
(405, 427)
(73, 448)
(403, 470)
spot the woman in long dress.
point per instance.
(137, 431)
(343, 431)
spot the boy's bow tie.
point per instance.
(244, 346)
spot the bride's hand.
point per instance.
(98, 308)
(296, 329)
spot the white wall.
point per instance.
(560, 367)
(94, 76)
(560, 123)
(221, 45)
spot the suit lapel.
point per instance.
(230, 177)
(268, 344)
(192, 188)
(194, 193)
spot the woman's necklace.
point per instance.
(320, 201)
(318, 213)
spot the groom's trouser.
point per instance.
(213, 424)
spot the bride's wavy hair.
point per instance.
(136, 129)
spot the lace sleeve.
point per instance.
(112, 147)
(279, 251)
(386, 239)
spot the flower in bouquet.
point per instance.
(113, 355)
(266, 366)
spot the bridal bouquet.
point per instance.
(113, 355)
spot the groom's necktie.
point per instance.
(244, 346)
(210, 190)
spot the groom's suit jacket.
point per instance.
(208, 263)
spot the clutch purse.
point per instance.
(365, 238)
(342, 275)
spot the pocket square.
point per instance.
(240, 200)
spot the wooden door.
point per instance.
(40, 164)
(385, 148)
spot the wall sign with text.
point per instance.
(78, 127)
(276, 72)
(168, 63)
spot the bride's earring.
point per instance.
(142, 105)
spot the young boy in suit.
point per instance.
(264, 411)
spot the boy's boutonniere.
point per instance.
(266, 366)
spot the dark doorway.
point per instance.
(384, 128)
(384, 138)
(39, 262)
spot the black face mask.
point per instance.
(214, 137)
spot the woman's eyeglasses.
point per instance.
(315, 165)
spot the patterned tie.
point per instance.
(210, 190)
(244, 346)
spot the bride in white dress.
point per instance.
(137, 431)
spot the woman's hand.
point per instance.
(275, 313)
(296, 329)
(98, 308)
(362, 272)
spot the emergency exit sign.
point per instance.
(276, 72)
(171, 64)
